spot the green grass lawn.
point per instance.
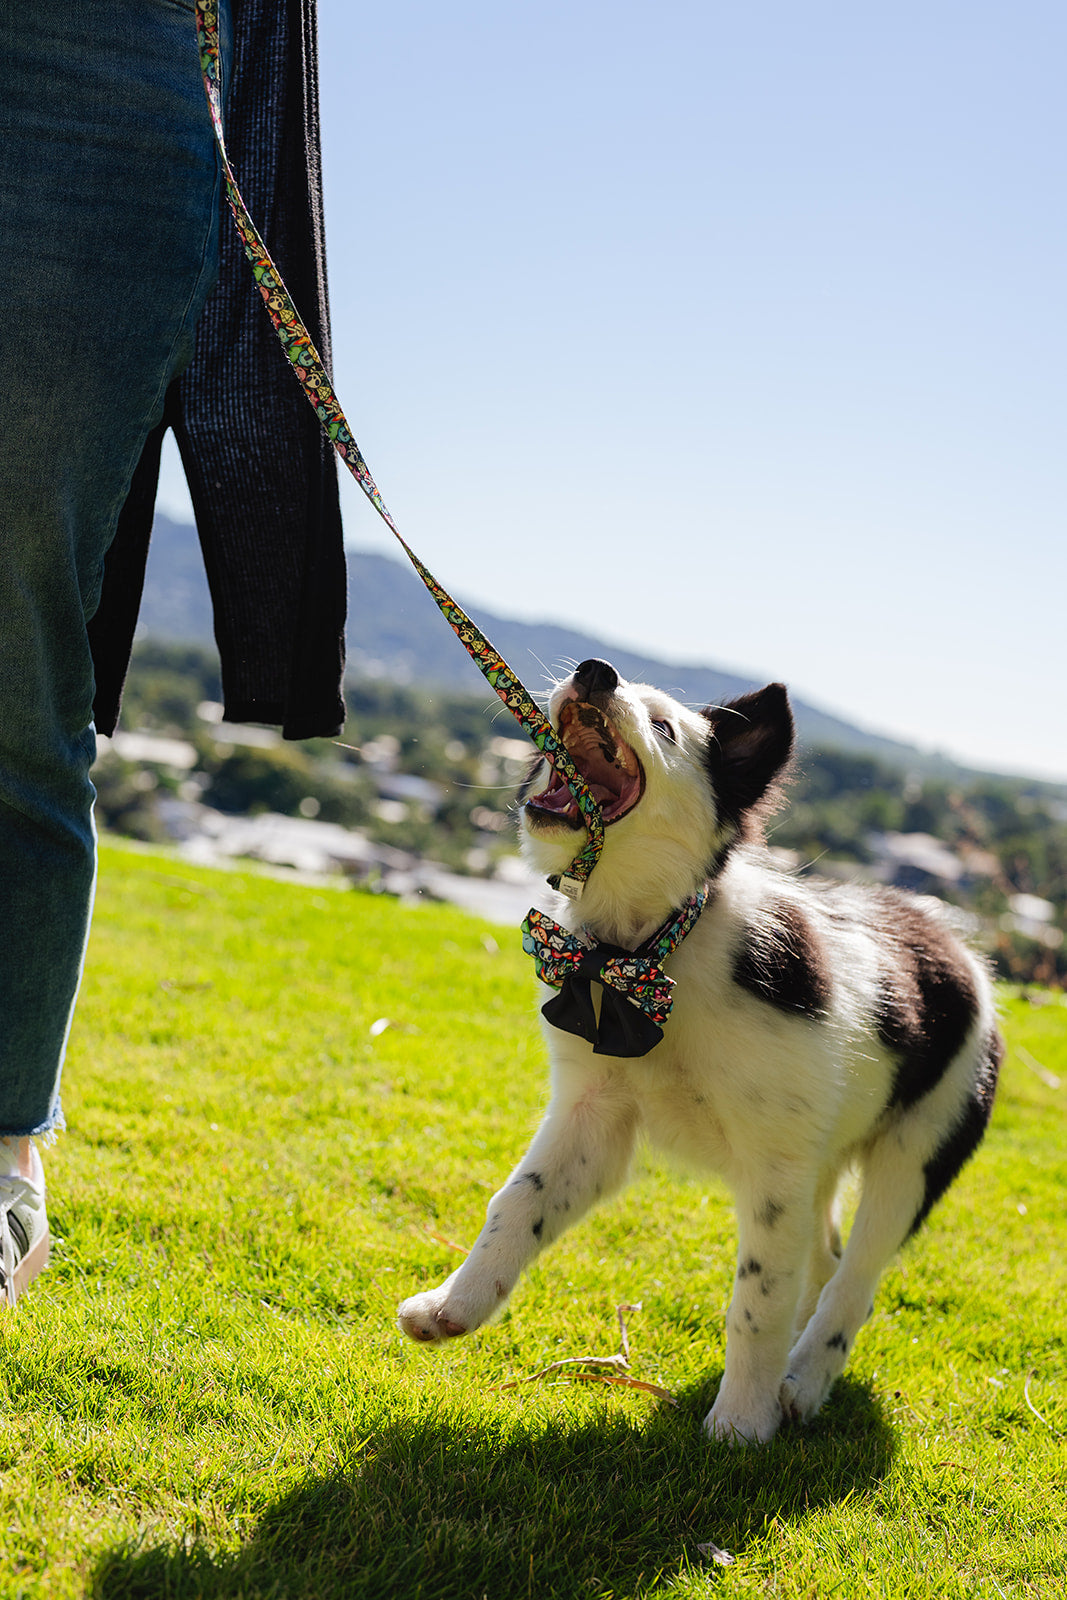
(286, 1106)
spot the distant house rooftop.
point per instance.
(917, 853)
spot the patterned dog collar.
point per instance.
(637, 997)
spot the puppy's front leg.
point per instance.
(580, 1153)
(774, 1239)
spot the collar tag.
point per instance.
(565, 885)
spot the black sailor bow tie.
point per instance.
(637, 997)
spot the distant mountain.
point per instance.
(392, 632)
(395, 631)
(176, 604)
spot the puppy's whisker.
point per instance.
(484, 788)
(549, 674)
(806, 866)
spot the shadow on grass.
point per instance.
(439, 1508)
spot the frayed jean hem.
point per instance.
(45, 1132)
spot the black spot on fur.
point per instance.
(769, 1213)
(749, 1268)
(538, 1227)
(781, 962)
(838, 1342)
(532, 1177)
(959, 1145)
(928, 1002)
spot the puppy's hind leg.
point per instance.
(581, 1152)
(825, 1251)
(892, 1195)
(906, 1170)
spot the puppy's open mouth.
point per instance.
(606, 762)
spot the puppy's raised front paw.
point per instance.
(425, 1317)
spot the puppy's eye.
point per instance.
(664, 729)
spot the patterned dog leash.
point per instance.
(308, 366)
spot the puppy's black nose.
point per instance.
(596, 676)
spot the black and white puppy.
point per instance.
(816, 1029)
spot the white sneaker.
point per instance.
(24, 1235)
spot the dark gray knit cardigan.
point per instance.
(263, 479)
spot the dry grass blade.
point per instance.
(615, 1362)
(629, 1383)
(621, 1312)
(1033, 1408)
(449, 1244)
(619, 1365)
(711, 1552)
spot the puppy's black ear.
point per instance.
(751, 742)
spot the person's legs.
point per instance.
(108, 212)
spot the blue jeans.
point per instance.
(109, 222)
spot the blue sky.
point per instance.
(735, 333)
